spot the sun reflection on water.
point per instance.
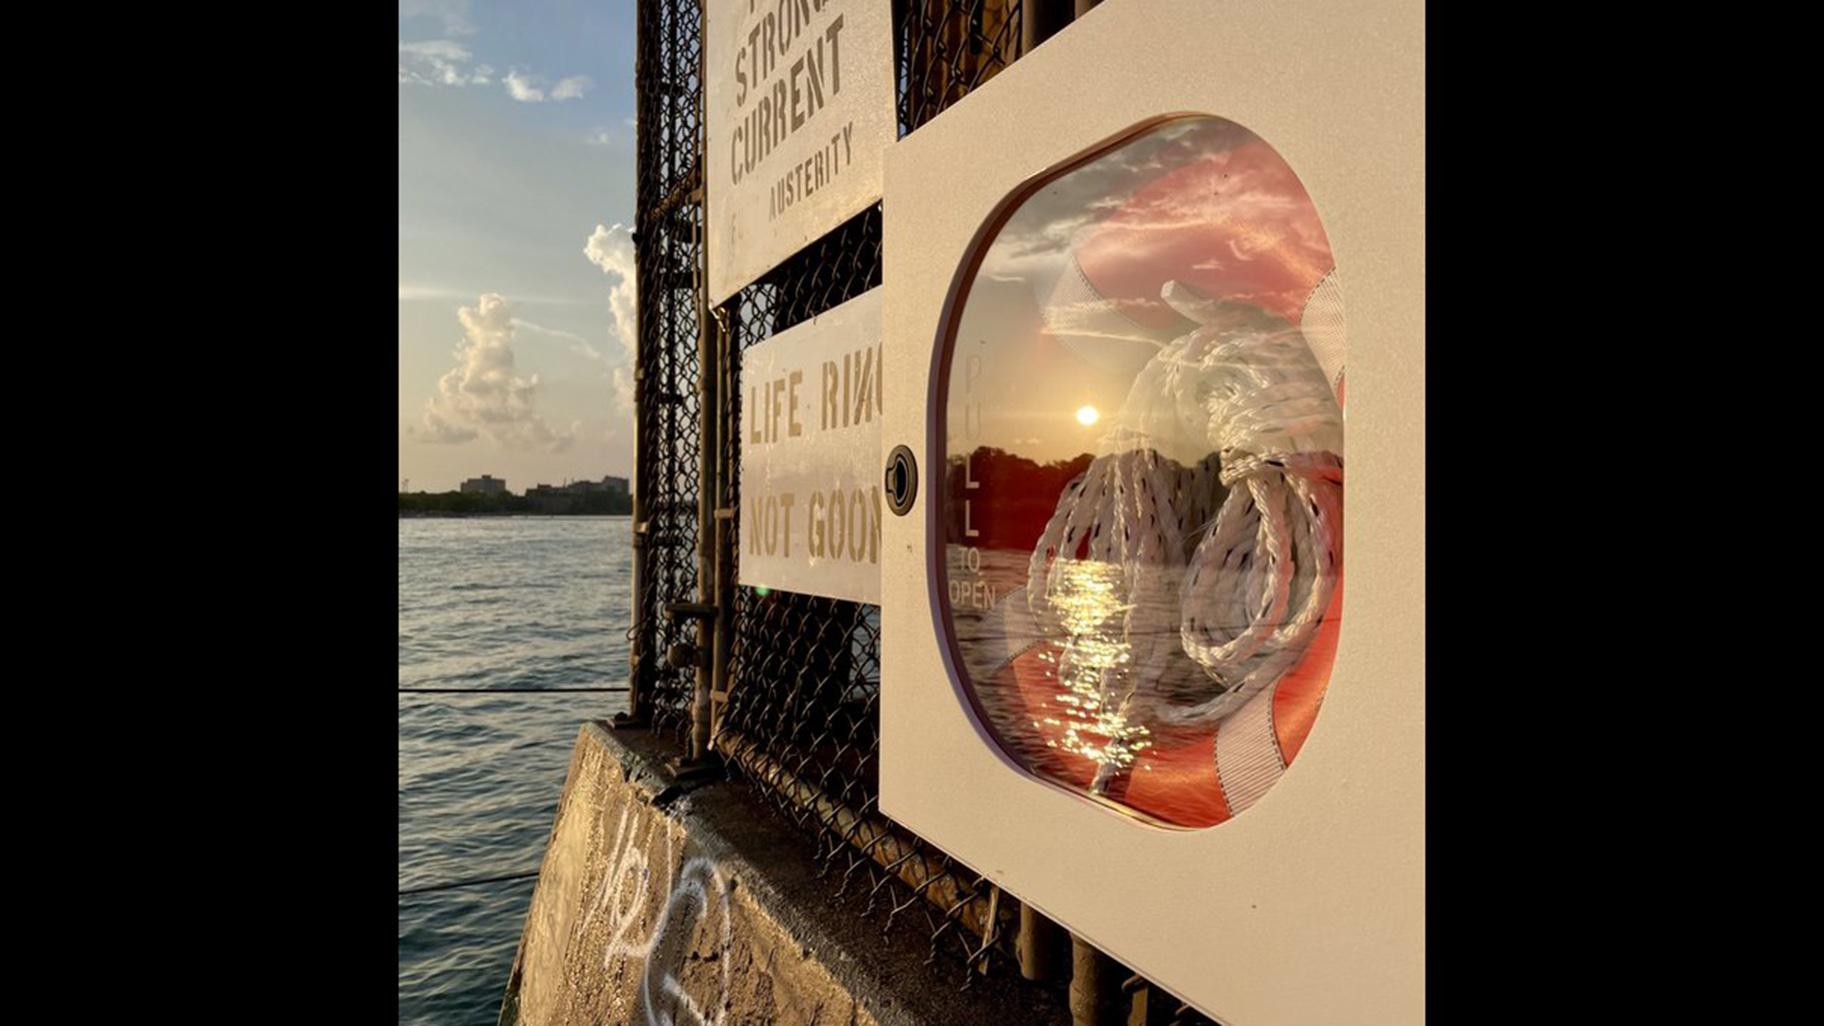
(1092, 666)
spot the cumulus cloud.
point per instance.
(520, 87)
(571, 88)
(622, 379)
(440, 62)
(611, 249)
(483, 394)
(530, 88)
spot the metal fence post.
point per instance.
(729, 453)
(1043, 945)
(1096, 993)
(709, 625)
(1040, 20)
(639, 669)
(668, 253)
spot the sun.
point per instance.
(1088, 415)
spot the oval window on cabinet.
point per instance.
(1141, 498)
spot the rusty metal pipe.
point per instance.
(1096, 997)
(1043, 946)
(724, 519)
(708, 625)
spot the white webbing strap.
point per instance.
(1248, 756)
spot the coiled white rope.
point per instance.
(1184, 590)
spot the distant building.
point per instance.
(608, 495)
(484, 485)
(550, 498)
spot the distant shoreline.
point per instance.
(444, 515)
(588, 500)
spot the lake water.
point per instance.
(489, 603)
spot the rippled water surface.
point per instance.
(489, 603)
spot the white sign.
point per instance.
(811, 469)
(801, 108)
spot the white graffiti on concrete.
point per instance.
(698, 889)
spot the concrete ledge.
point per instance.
(660, 903)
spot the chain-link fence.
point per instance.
(668, 240)
(796, 677)
(947, 48)
(802, 720)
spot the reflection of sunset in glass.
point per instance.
(1120, 587)
(1094, 658)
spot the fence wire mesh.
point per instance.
(947, 48)
(801, 719)
(669, 265)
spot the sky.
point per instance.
(516, 190)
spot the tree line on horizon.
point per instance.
(589, 503)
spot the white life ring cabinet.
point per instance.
(1123, 282)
